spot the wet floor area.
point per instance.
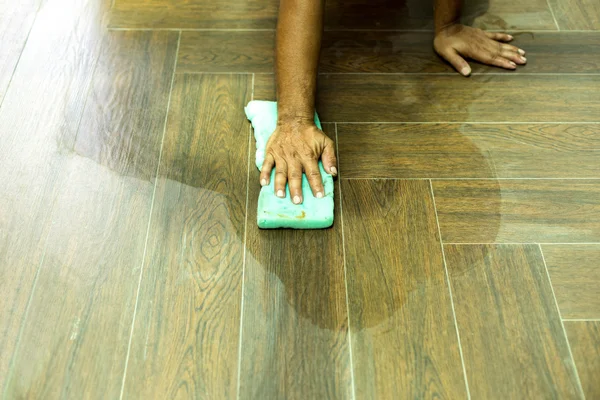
(464, 259)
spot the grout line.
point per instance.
(345, 270)
(116, 28)
(462, 359)
(20, 54)
(239, 371)
(137, 296)
(581, 319)
(224, 73)
(553, 16)
(519, 243)
(508, 74)
(466, 122)
(472, 179)
(580, 387)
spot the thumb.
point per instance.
(328, 157)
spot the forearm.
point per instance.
(446, 12)
(299, 31)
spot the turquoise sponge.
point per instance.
(275, 212)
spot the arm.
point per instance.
(297, 144)
(455, 42)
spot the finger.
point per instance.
(513, 48)
(514, 57)
(329, 159)
(501, 37)
(295, 182)
(457, 62)
(314, 178)
(265, 171)
(281, 174)
(499, 62)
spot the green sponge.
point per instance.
(275, 212)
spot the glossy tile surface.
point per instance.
(190, 290)
(466, 213)
(585, 343)
(512, 339)
(403, 330)
(295, 341)
(575, 274)
(462, 150)
(522, 211)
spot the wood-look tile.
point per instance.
(295, 327)
(217, 51)
(575, 274)
(404, 341)
(16, 20)
(469, 150)
(38, 124)
(518, 211)
(451, 98)
(186, 333)
(194, 14)
(82, 308)
(584, 337)
(509, 14)
(412, 52)
(512, 339)
(576, 14)
(380, 52)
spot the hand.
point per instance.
(457, 41)
(294, 147)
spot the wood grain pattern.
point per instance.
(38, 125)
(216, 51)
(584, 337)
(380, 52)
(575, 274)
(528, 211)
(576, 14)
(16, 20)
(511, 335)
(403, 334)
(85, 293)
(194, 14)
(469, 150)
(295, 326)
(186, 333)
(451, 98)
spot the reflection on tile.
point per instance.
(575, 273)
(469, 150)
(190, 293)
(451, 98)
(512, 338)
(523, 211)
(38, 120)
(584, 337)
(15, 22)
(509, 14)
(576, 14)
(404, 343)
(194, 14)
(295, 325)
(378, 14)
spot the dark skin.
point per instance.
(297, 144)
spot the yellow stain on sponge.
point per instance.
(275, 212)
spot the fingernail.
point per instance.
(263, 182)
(510, 37)
(319, 195)
(513, 64)
(465, 71)
(296, 200)
(522, 52)
(280, 193)
(524, 59)
(333, 170)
